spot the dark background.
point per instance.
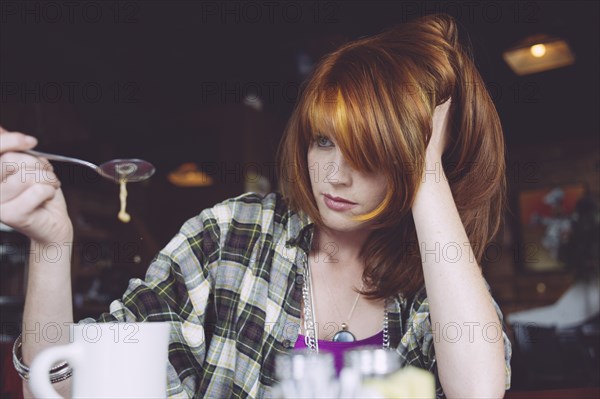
(166, 81)
(158, 63)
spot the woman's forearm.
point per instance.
(467, 332)
(48, 301)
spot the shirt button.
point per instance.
(299, 279)
(287, 344)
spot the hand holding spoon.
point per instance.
(119, 171)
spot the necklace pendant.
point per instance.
(344, 335)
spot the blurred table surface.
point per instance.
(568, 393)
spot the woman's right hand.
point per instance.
(31, 200)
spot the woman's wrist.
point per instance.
(58, 373)
(63, 237)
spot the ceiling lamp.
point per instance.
(188, 175)
(538, 53)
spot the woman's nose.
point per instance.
(338, 170)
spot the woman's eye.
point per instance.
(323, 141)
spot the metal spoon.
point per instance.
(130, 170)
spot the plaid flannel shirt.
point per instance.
(230, 282)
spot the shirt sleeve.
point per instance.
(417, 344)
(176, 289)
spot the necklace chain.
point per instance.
(353, 306)
(311, 335)
(310, 331)
(351, 312)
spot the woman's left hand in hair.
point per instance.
(440, 132)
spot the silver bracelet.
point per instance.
(57, 373)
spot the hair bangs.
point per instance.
(337, 112)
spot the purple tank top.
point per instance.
(338, 348)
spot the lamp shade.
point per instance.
(188, 175)
(538, 53)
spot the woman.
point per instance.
(392, 183)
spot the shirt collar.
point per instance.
(300, 230)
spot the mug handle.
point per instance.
(39, 381)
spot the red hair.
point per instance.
(376, 97)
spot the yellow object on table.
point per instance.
(407, 383)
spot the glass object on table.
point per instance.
(305, 374)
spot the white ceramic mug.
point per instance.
(109, 360)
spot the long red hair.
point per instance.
(376, 97)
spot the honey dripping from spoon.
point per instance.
(123, 215)
(124, 170)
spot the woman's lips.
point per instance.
(337, 203)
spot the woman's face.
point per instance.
(340, 191)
